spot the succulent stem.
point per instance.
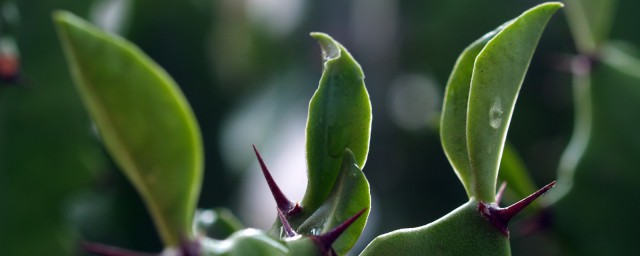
(500, 217)
(286, 206)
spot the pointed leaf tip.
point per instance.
(285, 205)
(330, 49)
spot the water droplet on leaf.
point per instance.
(495, 113)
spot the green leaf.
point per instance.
(144, 120)
(453, 132)
(480, 96)
(216, 223)
(498, 73)
(349, 196)
(477, 110)
(605, 178)
(339, 118)
(590, 22)
(461, 232)
(244, 242)
(515, 173)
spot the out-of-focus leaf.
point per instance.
(590, 22)
(339, 118)
(216, 223)
(605, 183)
(497, 76)
(515, 173)
(145, 122)
(349, 196)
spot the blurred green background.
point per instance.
(248, 69)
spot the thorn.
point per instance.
(287, 207)
(500, 217)
(327, 239)
(288, 231)
(106, 250)
(500, 192)
(189, 248)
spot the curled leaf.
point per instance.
(339, 118)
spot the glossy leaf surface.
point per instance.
(497, 76)
(339, 118)
(145, 122)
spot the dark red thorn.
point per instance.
(287, 207)
(327, 239)
(500, 217)
(106, 250)
(288, 231)
(189, 247)
(500, 192)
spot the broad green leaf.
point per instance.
(590, 22)
(453, 124)
(497, 76)
(605, 179)
(144, 120)
(339, 118)
(349, 196)
(461, 232)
